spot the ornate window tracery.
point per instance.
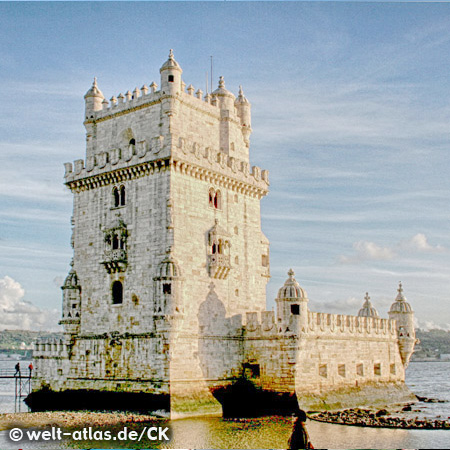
(215, 198)
(118, 194)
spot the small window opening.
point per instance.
(115, 242)
(377, 369)
(295, 310)
(214, 248)
(218, 200)
(116, 196)
(220, 248)
(341, 370)
(122, 195)
(393, 371)
(323, 370)
(132, 142)
(360, 370)
(171, 78)
(117, 293)
(264, 260)
(167, 288)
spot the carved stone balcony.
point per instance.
(219, 266)
(115, 260)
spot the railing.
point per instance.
(219, 260)
(118, 254)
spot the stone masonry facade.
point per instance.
(167, 290)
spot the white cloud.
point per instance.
(428, 325)
(365, 250)
(20, 314)
(420, 243)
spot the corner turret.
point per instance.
(402, 312)
(292, 301)
(71, 304)
(225, 99)
(93, 100)
(170, 76)
(243, 109)
(367, 310)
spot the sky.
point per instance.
(350, 115)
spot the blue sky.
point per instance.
(350, 112)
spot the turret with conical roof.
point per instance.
(367, 310)
(243, 109)
(170, 76)
(402, 312)
(225, 99)
(71, 314)
(292, 301)
(93, 100)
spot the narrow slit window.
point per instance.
(117, 293)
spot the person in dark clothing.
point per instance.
(17, 367)
(299, 438)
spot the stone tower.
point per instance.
(166, 217)
(403, 314)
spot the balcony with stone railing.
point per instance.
(115, 260)
(219, 265)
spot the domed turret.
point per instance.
(224, 97)
(292, 301)
(367, 310)
(403, 314)
(71, 314)
(93, 99)
(401, 305)
(168, 287)
(170, 75)
(291, 289)
(168, 268)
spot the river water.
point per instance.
(429, 380)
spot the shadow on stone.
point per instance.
(90, 400)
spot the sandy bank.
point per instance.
(71, 419)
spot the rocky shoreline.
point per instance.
(381, 418)
(72, 419)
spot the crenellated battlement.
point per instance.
(145, 97)
(51, 348)
(186, 156)
(319, 324)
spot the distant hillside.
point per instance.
(21, 340)
(433, 343)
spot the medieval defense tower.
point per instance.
(165, 304)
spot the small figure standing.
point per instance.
(300, 438)
(30, 368)
(17, 367)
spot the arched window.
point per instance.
(132, 141)
(214, 249)
(211, 197)
(220, 249)
(117, 293)
(122, 194)
(116, 197)
(218, 200)
(115, 242)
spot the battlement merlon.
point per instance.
(320, 324)
(184, 155)
(224, 118)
